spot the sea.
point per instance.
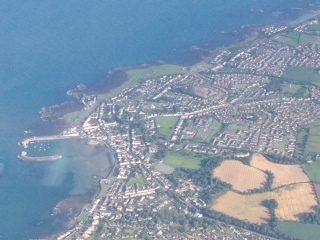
(50, 46)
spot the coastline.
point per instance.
(253, 34)
(76, 117)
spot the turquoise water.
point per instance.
(47, 47)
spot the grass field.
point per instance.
(308, 142)
(313, 140)
(295, 38)
(300, 230)
(166, 124)
(283, 174)
(292, 200)
(233, 128)
(294, 90)
(313, 170)
(291, 38)
(302, 75)
(208, 133)
(177, 160)
(138, 180)
(103, 187)
(290, 89)
(314, 27)
(83, 216)
(306, 39)
(153, 72)
(240, 176)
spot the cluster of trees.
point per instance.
(312, 218)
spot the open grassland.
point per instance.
(234, 128)
(300, 230)
(153, 72)
(177, 160)
(208, 133)
(296, 38)
(166, 125)
(313, 171)
(292, 200)
(313, 139)
(240, 176)
(286, 40)
(306, 39)
(294, 90)
(283, 174)
(302, 75)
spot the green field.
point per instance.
(138, 180)
(314, 27)
(313, 170)
(207, 134)
(83, 216)
(234, 128)
(153, 72)
(177, 160)
(313, 140)
(291, 38)
(308, 142)
(300, 230)
(302, 75)
(306, 39)
(166, 124)
(295, 38)
(294, 90)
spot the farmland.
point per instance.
(292, 200)
(313, 170)
(313, 140)
(166, 125)
(177, 160)
(300, 230)
(243, 207)
(153, 72)
(240, 176)
(283, 174)
(291, 189)
(295, 38)
(302, 75)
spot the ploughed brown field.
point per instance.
(292, 200)
(240, 176)
(283, 174)
(291, 189)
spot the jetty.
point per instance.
(25, 142)
(24, 156)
